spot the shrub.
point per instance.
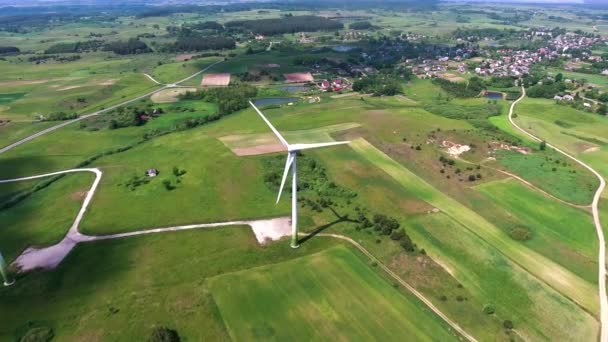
(520, 234)
(38, 334)
(167, 184)
(162, 334)
(397, 235)
(407, 243)
(489, 309)
(508, 324)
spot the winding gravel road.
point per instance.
(596, 221)
(266, 229)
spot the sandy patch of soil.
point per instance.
(69, 87)
(452, 77)
(107, 82)
(22, 82)
(591, 149)
(271, 230)
(454, 149)
(259, 149)
(184, 57)
(78, 195)
(496, 145)
(298, 77)
(222, 79)
(169, 95)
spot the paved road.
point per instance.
(69, 122)
(596, 221)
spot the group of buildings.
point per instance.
(510, 62)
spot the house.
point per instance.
(325, 85)
(587, 105)
(152, 173)
(568, 98)
(557, 98)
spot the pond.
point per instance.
(343, 48)
(274, 100)
(295, 88)
(493, 95)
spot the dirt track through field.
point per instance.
(596, 221)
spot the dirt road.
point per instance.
(596, 221)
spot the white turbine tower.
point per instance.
(292, 151)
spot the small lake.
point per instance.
(274, 100)
(295, 88)
(343, 48)
(493, 95)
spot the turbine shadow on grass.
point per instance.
(320, 229)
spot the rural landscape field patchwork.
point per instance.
(363, 170)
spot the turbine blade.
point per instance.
(298, 147)
(274, 130)
(288, 162)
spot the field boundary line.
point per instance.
(393, 275)
(596, 221)
(530, 185)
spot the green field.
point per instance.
(45, 217)
(564, 234)
(547, 270)
(138, 283)
(332, 294)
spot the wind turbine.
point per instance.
(292, 150)
(4, 272)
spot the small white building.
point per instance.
(568, 98)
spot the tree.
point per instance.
(489, 309)
(407, 243)
(559, 77)
(162, 334)
(543, 145)
(508, 324)
(397, 235)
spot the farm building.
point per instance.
(152, 172)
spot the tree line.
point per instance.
(202, 43)
(459, 89)
(229, 99)
(378, 85)
(76, 47)
(128, 47)
(6, 50)
(288, 24)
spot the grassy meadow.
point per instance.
(326, 295)
(137, 284)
